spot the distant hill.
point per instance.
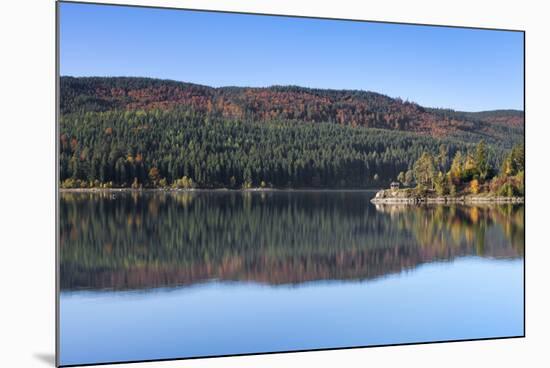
(511, 118)
(344, 107)
(505, 118)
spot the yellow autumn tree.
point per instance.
(154, 175)
(474, 186)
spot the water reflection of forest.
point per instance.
(141, 240)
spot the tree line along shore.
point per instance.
(182, 150)
(469, 177)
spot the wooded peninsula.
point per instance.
(469, 178)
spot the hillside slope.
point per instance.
(344, 107)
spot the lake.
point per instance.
(155, 275)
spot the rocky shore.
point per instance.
(408, 196)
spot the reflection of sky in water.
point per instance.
(468, 298)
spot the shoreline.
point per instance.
(463, 199)
(385, 196)
(196, 190)
(443, 200)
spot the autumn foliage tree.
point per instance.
(472, 173)
(424, 170)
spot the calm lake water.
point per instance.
(174, 275)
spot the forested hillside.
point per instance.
(142, 132)
(346, 107)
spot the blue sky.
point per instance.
(463, 69)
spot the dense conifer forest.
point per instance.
(140, 133)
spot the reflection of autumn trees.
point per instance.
(130, 240)
(479, 227)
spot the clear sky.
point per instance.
(463, 69)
